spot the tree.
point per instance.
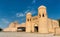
(1, 29)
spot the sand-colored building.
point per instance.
(40, 23)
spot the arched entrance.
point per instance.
(36, 28)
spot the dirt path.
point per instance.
(24, 34)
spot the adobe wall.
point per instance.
(50, 26)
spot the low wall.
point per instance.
(57, 31)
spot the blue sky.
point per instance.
(15, 10)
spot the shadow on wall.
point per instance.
(21, 29)
(59, 22)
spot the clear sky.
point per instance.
(15, 10)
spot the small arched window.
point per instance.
(43, 15)
(27, 19)
(39, 15)
(30, 19)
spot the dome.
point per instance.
(42, 6)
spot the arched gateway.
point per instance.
(40, 23)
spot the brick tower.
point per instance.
(42, 15)
(28, 22)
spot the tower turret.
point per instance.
(42, 11)
(28, 22)
(42, 15)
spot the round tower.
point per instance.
(42, 12)
(28, 22)
(42, 15)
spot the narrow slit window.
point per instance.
(43, 15)
(39, 15)
(30, 19)
(27, 19)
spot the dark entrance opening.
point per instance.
(21, 29)
(36, 28)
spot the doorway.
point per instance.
(36, 28)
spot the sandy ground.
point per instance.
(24, 34)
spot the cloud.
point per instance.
(23, 14)
(19, 14)
(5, 21)
(34, 1)
(32, 11)
(27, 11)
